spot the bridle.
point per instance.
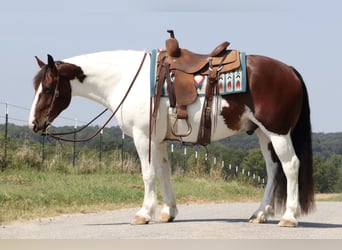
(54, 98)
(56, 95)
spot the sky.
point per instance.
(305, 34)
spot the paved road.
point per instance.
(195, 221)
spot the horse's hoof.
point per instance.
(269, 210)
(164, 218)
(287, 223)
(139, 220)
(260, 218)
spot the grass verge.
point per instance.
(27, 194)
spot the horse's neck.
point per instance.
(107, 75)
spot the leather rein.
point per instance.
(57, 136)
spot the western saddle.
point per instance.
(178, 67)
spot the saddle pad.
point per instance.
(231, 82)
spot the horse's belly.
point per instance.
(220, 129)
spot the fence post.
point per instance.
(43, 149)
(196, 159)
(101, 134)
(6, 138)
(122, 150)
(184, 161)
(74, 150)
(207, 167)
(172, 162)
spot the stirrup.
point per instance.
(173, 129)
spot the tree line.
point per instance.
(234, 157)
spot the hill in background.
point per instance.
(324, 144)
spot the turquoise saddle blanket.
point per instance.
(231, 82)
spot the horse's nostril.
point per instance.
(46, 125)
(34, 126)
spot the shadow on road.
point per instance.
(300, 225)
(319, 225)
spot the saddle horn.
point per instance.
(172, 46)
(172, 33)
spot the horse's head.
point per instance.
(52, 92)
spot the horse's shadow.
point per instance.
(274, 222)
(319, 225)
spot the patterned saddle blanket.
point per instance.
(231, 82)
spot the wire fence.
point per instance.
(19, 116)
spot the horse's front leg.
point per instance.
(146, 212)
(169, 210)
(159, 165)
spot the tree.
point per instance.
(327, 175)
(254, 162)
(334, 172)
(319, 175)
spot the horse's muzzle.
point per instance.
(40, 128)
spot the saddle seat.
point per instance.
(191, 63)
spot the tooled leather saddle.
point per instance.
(177, 67)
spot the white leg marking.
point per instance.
(169, 210)
(145, 214)
(284, 148)
(159, 166)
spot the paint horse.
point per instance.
(275, 106)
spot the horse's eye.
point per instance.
(48, 90)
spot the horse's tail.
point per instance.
(302, 142)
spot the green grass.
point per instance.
(329, 197)
(28, 193)
(338, 197)
(214, 190)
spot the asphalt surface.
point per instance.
(194, 221)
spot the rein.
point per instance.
(58, 135)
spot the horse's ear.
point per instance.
(51, 61)
(51, 64)
(40, 62)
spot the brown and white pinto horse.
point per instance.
(275, 107)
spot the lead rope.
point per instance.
(57, 135)
(80, 129)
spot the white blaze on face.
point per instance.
(33, 107)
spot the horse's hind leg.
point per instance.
(169, 209)
(266, 208)
(284, 149)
